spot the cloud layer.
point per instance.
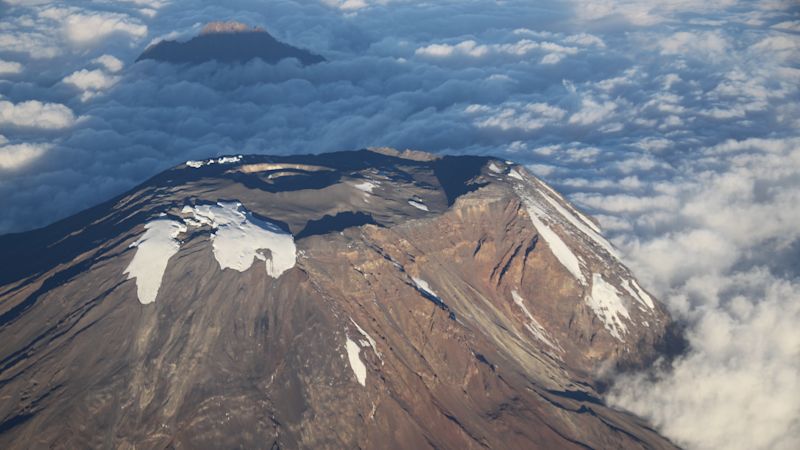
(675, 123)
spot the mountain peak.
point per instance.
(228, 42)
(404, 299)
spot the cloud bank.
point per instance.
(675, 123)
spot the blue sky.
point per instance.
(675, 123)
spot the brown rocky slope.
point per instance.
(408, 301)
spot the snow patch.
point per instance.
(418, 205)
(153, 251)
(536, 329)
(582, 217)
(353, 355)
(220, 160)
(632, 287)
(607, 305)
(369, 341)
(366, 186)
(424, 286)
(495, 168)
(240, 238)
(557, 246)
(642, 294)
(586, 226)
(516, 175)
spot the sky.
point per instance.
(675, 123)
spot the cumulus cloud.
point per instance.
(36, 114)
(592, 111)
(745, 352)
(675, 123)
(81, 27)
(553, 52)
(707, 44)
(16, 156)
(110, 63)
(526, 117)
(90, 82)
(10, 67)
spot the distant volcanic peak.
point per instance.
(228, 42)
(230, 27)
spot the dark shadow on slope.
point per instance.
(436, 301)
(578, 396)
(455, 174)
(14, 421)
(287, 183)
(341, 221)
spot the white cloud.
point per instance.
(643, 12)
(706, 44)
(784, 47)
(35, 114)
(526, 117)
(10, 67)
(471, 48)
(83, 27)
(111, 63)
(37, 45)
(91, 82)
(16, 156)
(592, 111)
(468, 48)
(351, 5)
(738, 388)
(585, 39)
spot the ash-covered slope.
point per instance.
(228, 42)
(370, 299)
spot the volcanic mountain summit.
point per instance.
(228, 42)
(369, 299)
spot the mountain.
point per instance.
(227, 42)
(367, 299)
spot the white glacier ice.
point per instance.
(607, 305)
(557, 246)
(153, 251)
(208, 162)
(366, 186)
(353, 355)
(240, 238)
(418, 205)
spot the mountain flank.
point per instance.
(366, 299)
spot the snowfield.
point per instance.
(238, 240)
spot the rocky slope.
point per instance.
(227, 42)
(370, 299)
